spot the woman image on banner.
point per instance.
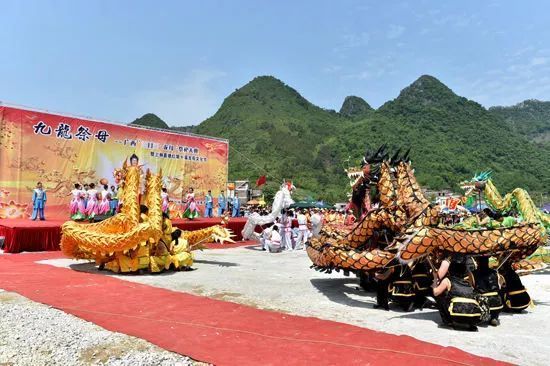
(190, 209)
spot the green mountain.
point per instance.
(530, 118)
(150, 120)
(273, 130)
(453, 137)
(355, 107)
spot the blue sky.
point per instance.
(120, 59)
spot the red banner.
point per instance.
(60, 151)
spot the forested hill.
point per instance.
(274, 130)
(530, 118)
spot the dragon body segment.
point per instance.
(406, 227)
(128, 241)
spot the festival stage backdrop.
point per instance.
(59, 151)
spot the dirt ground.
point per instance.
(284, 282)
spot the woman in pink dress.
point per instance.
(190, 211)
(105, 205)
(92, 208)
(77, 207)
(165, 200)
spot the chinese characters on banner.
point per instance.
(60, 151)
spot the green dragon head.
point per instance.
(477, 182)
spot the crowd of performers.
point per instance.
(90, 200)
(406, 248)
(294, 228)
(467, 291)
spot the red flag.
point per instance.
(261, 181)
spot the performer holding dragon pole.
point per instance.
(456, 298)
(487, 283)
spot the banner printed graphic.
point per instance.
(60, 151)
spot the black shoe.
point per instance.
(494, 322)
(385, 307)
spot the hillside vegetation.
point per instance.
(273, 130)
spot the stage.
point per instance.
(36, 236)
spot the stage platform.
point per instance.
(36, 236)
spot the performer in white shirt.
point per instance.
(264, 238)
(316, 223)
(303, 231)
(274, 243)
(287, 231)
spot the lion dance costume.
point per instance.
(130, 241)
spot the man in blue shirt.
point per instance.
(221, 204)
(38, 202)
(208, 203)
(236, 206)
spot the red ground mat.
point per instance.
(34, 236)
(215, 331)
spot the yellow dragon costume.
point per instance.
(132, 242)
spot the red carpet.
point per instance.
(34, 236)
(215, 331)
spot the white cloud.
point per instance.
(331, 69)
(355, 40)
(536, 61)
(511, 84)
(186, 103)
(395, 31)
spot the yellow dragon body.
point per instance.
(130, 242)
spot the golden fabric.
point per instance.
(130, 241)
